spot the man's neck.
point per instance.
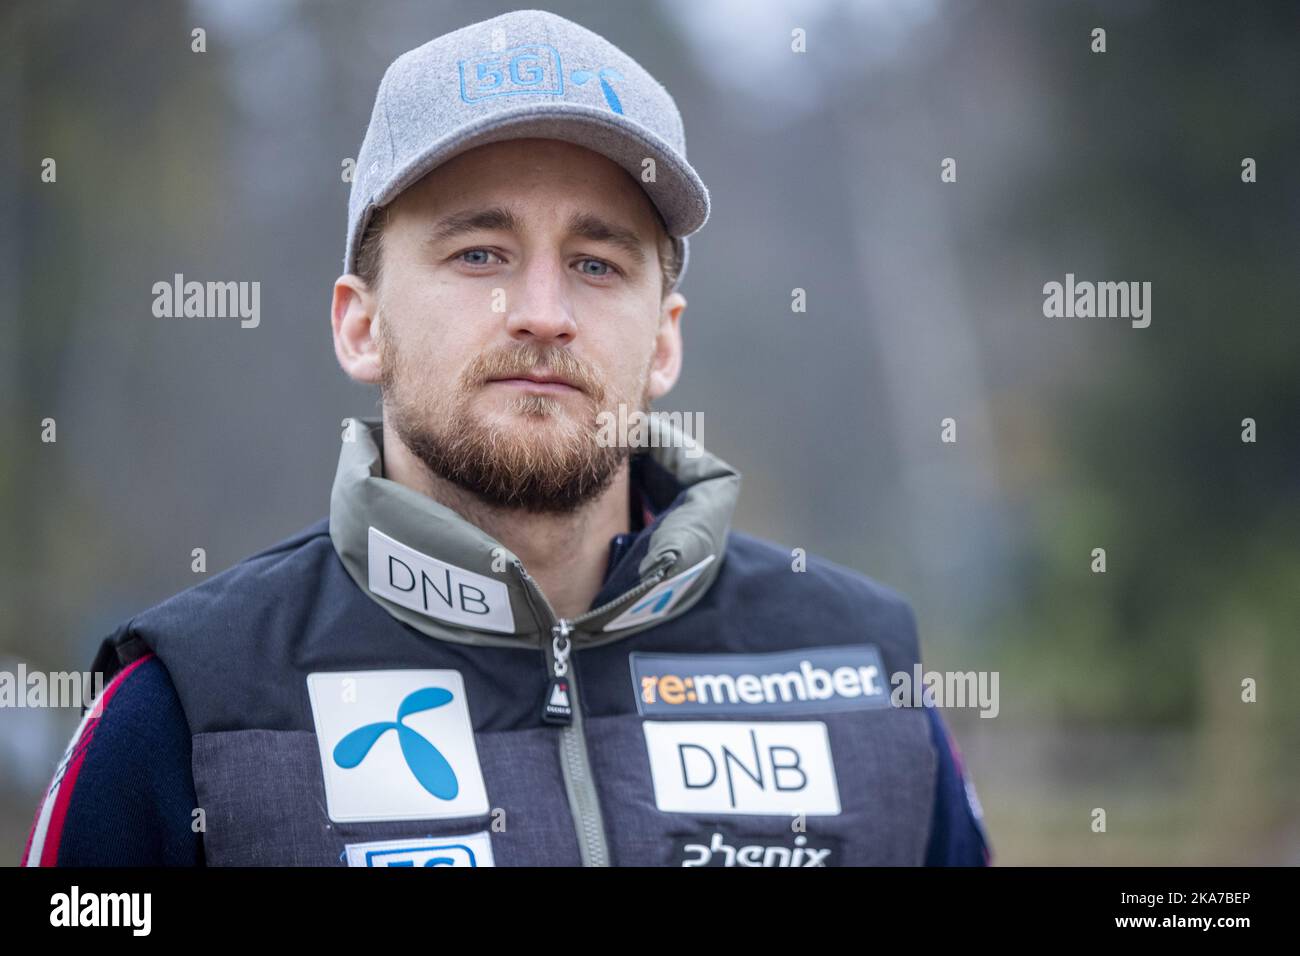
(567, 554)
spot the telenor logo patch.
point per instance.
(396, 745)
(846, 677)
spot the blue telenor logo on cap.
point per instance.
(423, 759)
(604, 74)
(532, 68)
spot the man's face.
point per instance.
(520, 297)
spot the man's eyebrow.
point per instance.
(598, 230)
(498, 218)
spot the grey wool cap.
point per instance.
(528, 73)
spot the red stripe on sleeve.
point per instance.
(65, 777)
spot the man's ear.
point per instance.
(353, 315)
(666, 365)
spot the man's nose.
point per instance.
(538, 304)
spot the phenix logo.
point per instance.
(755, 854)
(423, 759)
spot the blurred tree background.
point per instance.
(1119, 690)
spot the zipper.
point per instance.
(557, 708)
(562, 708)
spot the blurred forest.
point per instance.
(1119, 690)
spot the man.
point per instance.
(516, 640)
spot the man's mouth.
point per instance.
(541, 382)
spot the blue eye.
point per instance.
(602, 265)
(476, 252)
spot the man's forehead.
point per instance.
(526, 163)
(514, 172)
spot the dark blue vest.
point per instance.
(735, 717)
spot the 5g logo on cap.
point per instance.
(533, 68)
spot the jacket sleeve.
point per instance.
(957, 835)
(123, 792)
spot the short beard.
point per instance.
(505, 466)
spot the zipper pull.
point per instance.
(557, 709)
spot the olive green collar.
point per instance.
(447, 578)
